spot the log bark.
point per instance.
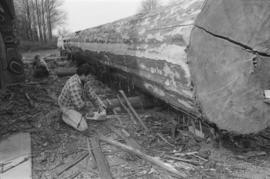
(206, 58)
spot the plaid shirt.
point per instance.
(71, 95)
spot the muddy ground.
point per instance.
(32, 107)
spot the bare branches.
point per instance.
(149, 5)
(36, 19)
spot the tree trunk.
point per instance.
(2, 62)
(48, 18)
(49, 23)
(43, 20)
(38, 21)
(28, 17)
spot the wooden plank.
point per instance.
(102, 164)
(155, 161)
(15, 157)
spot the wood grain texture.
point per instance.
(229, 77)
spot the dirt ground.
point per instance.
(32, 107)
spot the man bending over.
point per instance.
(71, 99)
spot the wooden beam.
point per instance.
(102, 164)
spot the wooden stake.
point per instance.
(127, 110)
(133, 110)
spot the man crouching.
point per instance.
(71, 100)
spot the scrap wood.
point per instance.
(126, 136)
(103, 167)
(126, 109)
(183, 160)
(165, 140)
(117, 117)
(31, 103)
(199, 157)
(133, 110)
(184, 154)
(94, 163)
(251, 154)
(72, 164)
(144, 156)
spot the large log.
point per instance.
(229, 61)
(150, 48)
(220, 47)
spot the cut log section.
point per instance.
(229, 63)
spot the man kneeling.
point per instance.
(71, 100)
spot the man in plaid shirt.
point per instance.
(71, 99)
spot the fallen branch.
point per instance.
(144, 156)
(133, 110)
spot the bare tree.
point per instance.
(149, 5)
(43, 20)
(54, 14)
(36, 19)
